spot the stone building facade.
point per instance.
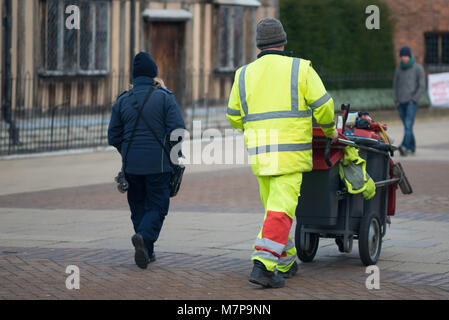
(198, 44)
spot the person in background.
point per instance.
(148, 168)
(408, 85)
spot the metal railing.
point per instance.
(57, 128)
(61, 113)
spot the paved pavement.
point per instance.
(64, 210)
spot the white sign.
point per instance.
(439, 89)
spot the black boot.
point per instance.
(141, 254)
(402, 151)
(291, 272)
(268, 279)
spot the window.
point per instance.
(437, 48)
(72, 51)
(231, 53)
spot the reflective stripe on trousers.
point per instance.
(273, 246)
(273, 241)
(283, 262)
(288, 256)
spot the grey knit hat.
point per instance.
(270, 34)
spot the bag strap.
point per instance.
(167, 152)
(131, 94)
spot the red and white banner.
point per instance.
(439, 89)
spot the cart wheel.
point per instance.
(310, 247)
(370, 239)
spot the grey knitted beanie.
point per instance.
(270, 34)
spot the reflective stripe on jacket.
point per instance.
(272, 100)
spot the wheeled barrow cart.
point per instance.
(326, 209)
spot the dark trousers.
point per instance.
(407, 112)
(149, 199)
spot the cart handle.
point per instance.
(345, 108)
(347, 142)
(327, 151)
(353, 144)
(341, 194)
(388, 182)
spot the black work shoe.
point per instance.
(152, 257)
(268, 279)
(402, 151)
(291, 272)
(141, 254)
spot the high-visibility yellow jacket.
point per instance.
(272, 100)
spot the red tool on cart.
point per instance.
(327, 210)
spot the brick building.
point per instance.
(424, 26)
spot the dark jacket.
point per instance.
(162, 113)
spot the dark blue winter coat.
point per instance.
(163, 114)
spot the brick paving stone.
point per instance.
(39, 273)
(430, 184)
(44, 278)
(204, 194)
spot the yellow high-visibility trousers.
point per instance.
(279, 195)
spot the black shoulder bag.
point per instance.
(178, 169)
(122, 184)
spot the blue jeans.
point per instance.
(407, 112)
(148, 199)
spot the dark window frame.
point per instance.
(231, 41)
(436, 49)
(83, 54)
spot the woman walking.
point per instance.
(147, 168)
